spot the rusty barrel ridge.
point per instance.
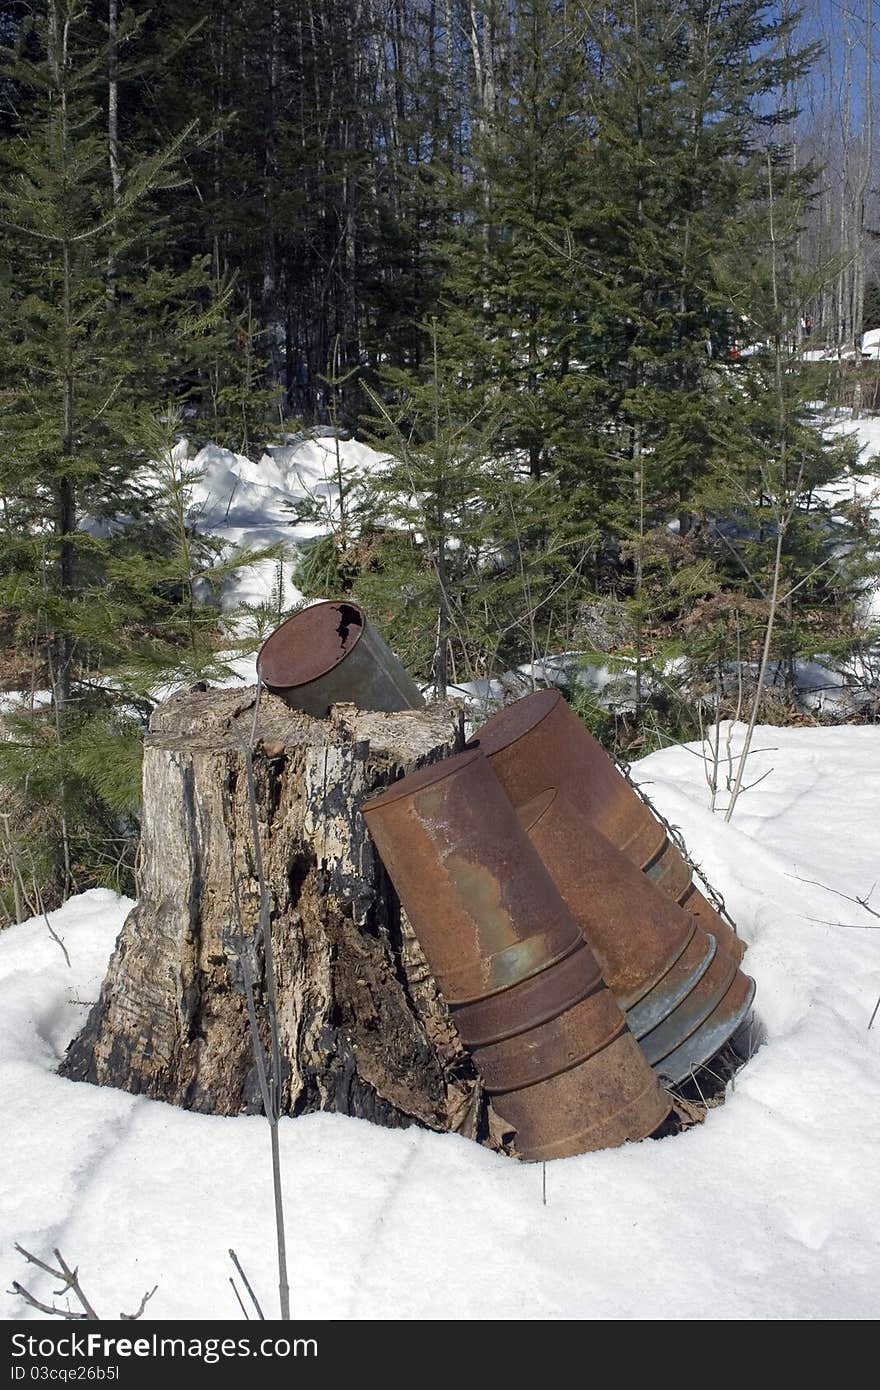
(663, 969)
(539, 742)
(523, 985)
(329, 653)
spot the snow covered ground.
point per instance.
(767, 1211)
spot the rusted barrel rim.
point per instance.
(529, 1003)
(672, 988)
(699, 907)
(307, 645)
(620, 1127)
(667, 869)
(504, 1070)
(691, 1013)
(540, 702)
(531, 811)
(522, 959)
(711, 1036)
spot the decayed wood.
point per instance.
(363, 1028)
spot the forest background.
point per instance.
(590, 275)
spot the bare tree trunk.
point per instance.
(113, 100)
(867, 155)
(269, 299)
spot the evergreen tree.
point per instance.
(94, 579)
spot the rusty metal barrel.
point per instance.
(663, 969)
(522, 984)
(330, 653)
(539, 742)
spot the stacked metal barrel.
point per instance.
(583, 968)
(525, 990)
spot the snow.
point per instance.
(871, 344)
(766, 1211)
(254, 505)
(837, 354)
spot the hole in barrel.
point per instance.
(349, 617)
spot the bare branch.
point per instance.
(55, 937)
(864, 902)
(849, 926)
(235, 1260)
(238, 1296)
(133, 1317)
(69, 1284)
(748, 786)
(71, 1278)
(47, 1308)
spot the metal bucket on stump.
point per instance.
(522, 985)
(329, 653)
(539, 742)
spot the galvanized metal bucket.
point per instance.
(330, 653)
(677, 988)
(539, 742)
(523, 986)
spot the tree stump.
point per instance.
(363, 1028)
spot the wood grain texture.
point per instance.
(364, 1030)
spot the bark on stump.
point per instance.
(364, 1030)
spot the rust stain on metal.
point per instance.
(482, 891)
(603, 1102)
(539, 742)
(693, 901)
(670, 873)
(330, 653)
(553, 1047)
(525, 990)
(663, 968)
(538, 999)
(636, 932)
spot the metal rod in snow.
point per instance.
(272, 1003)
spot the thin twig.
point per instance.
(864, 902)
(71, 1278)
(748, 785)
(253, 1297)
(238, 1296)
(70, 1284)
(133, 1317)
(848, 897)
(48, 1308)
(54, 935)
(848, 926)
